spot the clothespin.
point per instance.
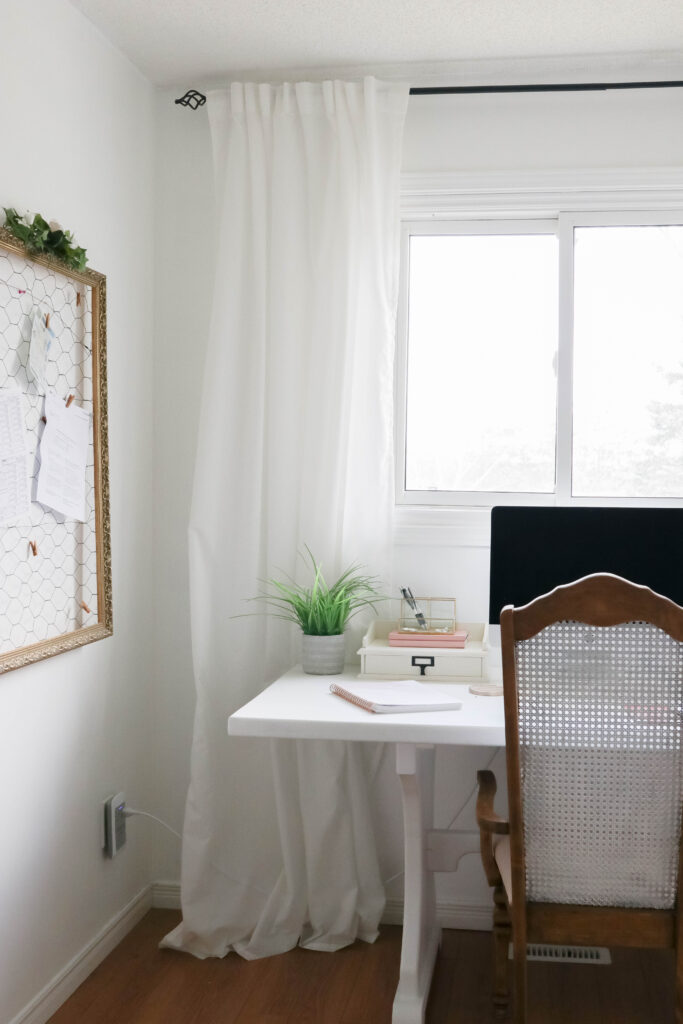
(34, 547)
(69, 401)
(47, 319)
(43, 419)
(85, 607)
(78, 298)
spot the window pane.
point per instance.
(628, 362)
(482, 344)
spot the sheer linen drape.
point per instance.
(295, 448)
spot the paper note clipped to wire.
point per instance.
(41, 340)
(15, 496)
(63, 458)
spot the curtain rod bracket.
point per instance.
(192, 99)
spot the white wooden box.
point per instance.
(448, 665)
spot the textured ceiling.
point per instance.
(193, 41)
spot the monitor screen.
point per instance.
(534, 550)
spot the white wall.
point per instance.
(76, 143)
(528, 132)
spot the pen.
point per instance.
(422, 622)
(408, 597)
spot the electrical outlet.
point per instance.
(114, 836)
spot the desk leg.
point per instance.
(421, 934)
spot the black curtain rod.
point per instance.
(195, 99)
(566, 87)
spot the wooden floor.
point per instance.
(141, 984)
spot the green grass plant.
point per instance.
(321, 609)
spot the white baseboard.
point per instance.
(58, 990)
(166, 895)
(465, 916)
(451, 915)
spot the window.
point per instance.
(541, 361)
(628, 361)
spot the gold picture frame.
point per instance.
(55, 574)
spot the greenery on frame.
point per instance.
(49, 238)
(321, 609)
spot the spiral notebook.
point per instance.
(389, 696)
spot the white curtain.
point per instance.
(295, 449)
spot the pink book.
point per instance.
(434, 640)
(452, 645)
(458, 636)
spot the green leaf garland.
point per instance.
(51, 239)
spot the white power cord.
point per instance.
(129, 812)
(473, 791)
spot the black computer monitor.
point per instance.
(535, 549)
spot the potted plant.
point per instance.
(322, 611)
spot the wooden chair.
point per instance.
(591, 854)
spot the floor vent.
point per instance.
(566, 954)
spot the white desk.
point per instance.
(299, 706)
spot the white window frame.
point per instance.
(411, 229)
(447, 204)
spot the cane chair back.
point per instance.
(600, 730)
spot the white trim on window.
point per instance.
(538, 202)
(442, 527)
(506, 194)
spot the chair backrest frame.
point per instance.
(598, 600)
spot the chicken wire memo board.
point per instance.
(55, 571)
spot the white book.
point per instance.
(389, 696)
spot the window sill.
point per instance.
(442, 527)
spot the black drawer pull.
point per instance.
(422, 661)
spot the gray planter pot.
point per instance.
(323, 655)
